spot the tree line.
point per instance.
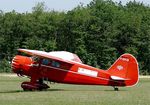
(98, 33)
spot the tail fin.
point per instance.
(125, 68)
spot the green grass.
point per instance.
(62, 94)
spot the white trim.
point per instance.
(118, 78)
(73, 72)
(138, 71)
(87, 72)
(14, 62)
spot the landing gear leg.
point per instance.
(116, 88)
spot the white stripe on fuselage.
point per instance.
(87, 72)
(74, 72)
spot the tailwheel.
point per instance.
(116, 88)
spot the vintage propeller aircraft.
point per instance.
(66, 67)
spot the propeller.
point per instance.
(20, 73)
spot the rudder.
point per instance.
(125, 68)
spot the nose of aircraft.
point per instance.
(21, 64)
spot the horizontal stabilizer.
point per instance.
(118, 78)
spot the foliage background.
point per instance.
(99, 32)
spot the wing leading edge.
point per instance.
(59, 56)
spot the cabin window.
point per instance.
(55, 64)
(45, 61)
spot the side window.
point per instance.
(55, 64)
(45, 61)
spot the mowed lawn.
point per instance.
(63, 94)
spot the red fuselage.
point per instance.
(62, 72)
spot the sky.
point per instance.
(58, 5)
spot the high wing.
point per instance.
(57, 55)
(66, 56)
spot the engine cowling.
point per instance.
(21, 64)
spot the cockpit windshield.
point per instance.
(35, 58)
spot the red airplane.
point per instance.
(66, 67)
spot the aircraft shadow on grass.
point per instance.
(12, 91)
(22, 91)
(50, 90)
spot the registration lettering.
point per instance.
(125, 59)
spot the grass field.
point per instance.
(63, 94)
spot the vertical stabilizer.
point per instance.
(125, 68)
